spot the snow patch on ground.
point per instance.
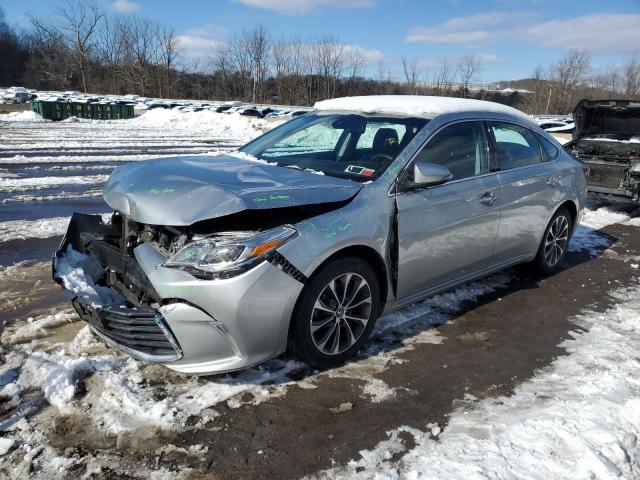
(221, 126)
(586, 236)
(42, 228)
(91, 193)
(25, 116)
(35, 328)
(39, 183)
(578, 418)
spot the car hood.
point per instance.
(597, 117)
(185, 190)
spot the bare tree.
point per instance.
(168, 53)
(330, 58)
(631, 76)
(565, 77)
(77, 27)
(410, 69)
(468, 68)
(257, 45)
(443, 77)
(354, 62)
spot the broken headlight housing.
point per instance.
(228, 254)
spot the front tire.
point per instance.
(335, 313)
(555, 242)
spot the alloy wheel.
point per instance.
(556, 240)
(341, 313)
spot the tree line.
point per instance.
(80, 47)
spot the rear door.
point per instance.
(448, 231)
(530, 188)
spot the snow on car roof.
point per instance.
(415, 105)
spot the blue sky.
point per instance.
(510, 36)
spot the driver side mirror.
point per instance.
(427, 174)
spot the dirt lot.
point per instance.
(310, 421)
(70, 407)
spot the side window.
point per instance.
(460, 147)
(516, 146)
(550, 150)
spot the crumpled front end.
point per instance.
(115, 275)
(110, 291)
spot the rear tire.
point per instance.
(555, 242)
(335, 313)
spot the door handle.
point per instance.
(552, 181)
(488, 198)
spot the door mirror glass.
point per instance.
(428, 174)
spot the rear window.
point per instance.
(550, 150)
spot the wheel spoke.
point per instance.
(352, 338)
(317, 326)
(336, 342)
(357, 304)
(319, 306)
(361, 283)
(363, 321)
(327, 336)
(349, 276)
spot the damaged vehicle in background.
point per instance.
(608, 142)
(306, 235)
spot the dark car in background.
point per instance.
(608, 141)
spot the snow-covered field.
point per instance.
(578, 417)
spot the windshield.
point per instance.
(358, 147)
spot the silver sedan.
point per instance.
(304, 237)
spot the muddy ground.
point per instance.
(485, 350)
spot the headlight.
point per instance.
(228, 254)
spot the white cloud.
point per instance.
(471, 30)
(201, 42)
(303, 7)
(125, 6)
(597, 33)
(371, 55)
(488, 58)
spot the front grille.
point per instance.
(139, 331)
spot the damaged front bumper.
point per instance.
(167, 316)
(617, 179)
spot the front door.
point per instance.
(448, 231)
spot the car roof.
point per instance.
(415, 105)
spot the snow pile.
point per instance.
(602, 217)
(39, 183)
(580, 418)
(218, 125)
(586, 238)
(35, 328)
(25, 116)
(57, 375)
(6, 444)
(415, 105)
(74, 270)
